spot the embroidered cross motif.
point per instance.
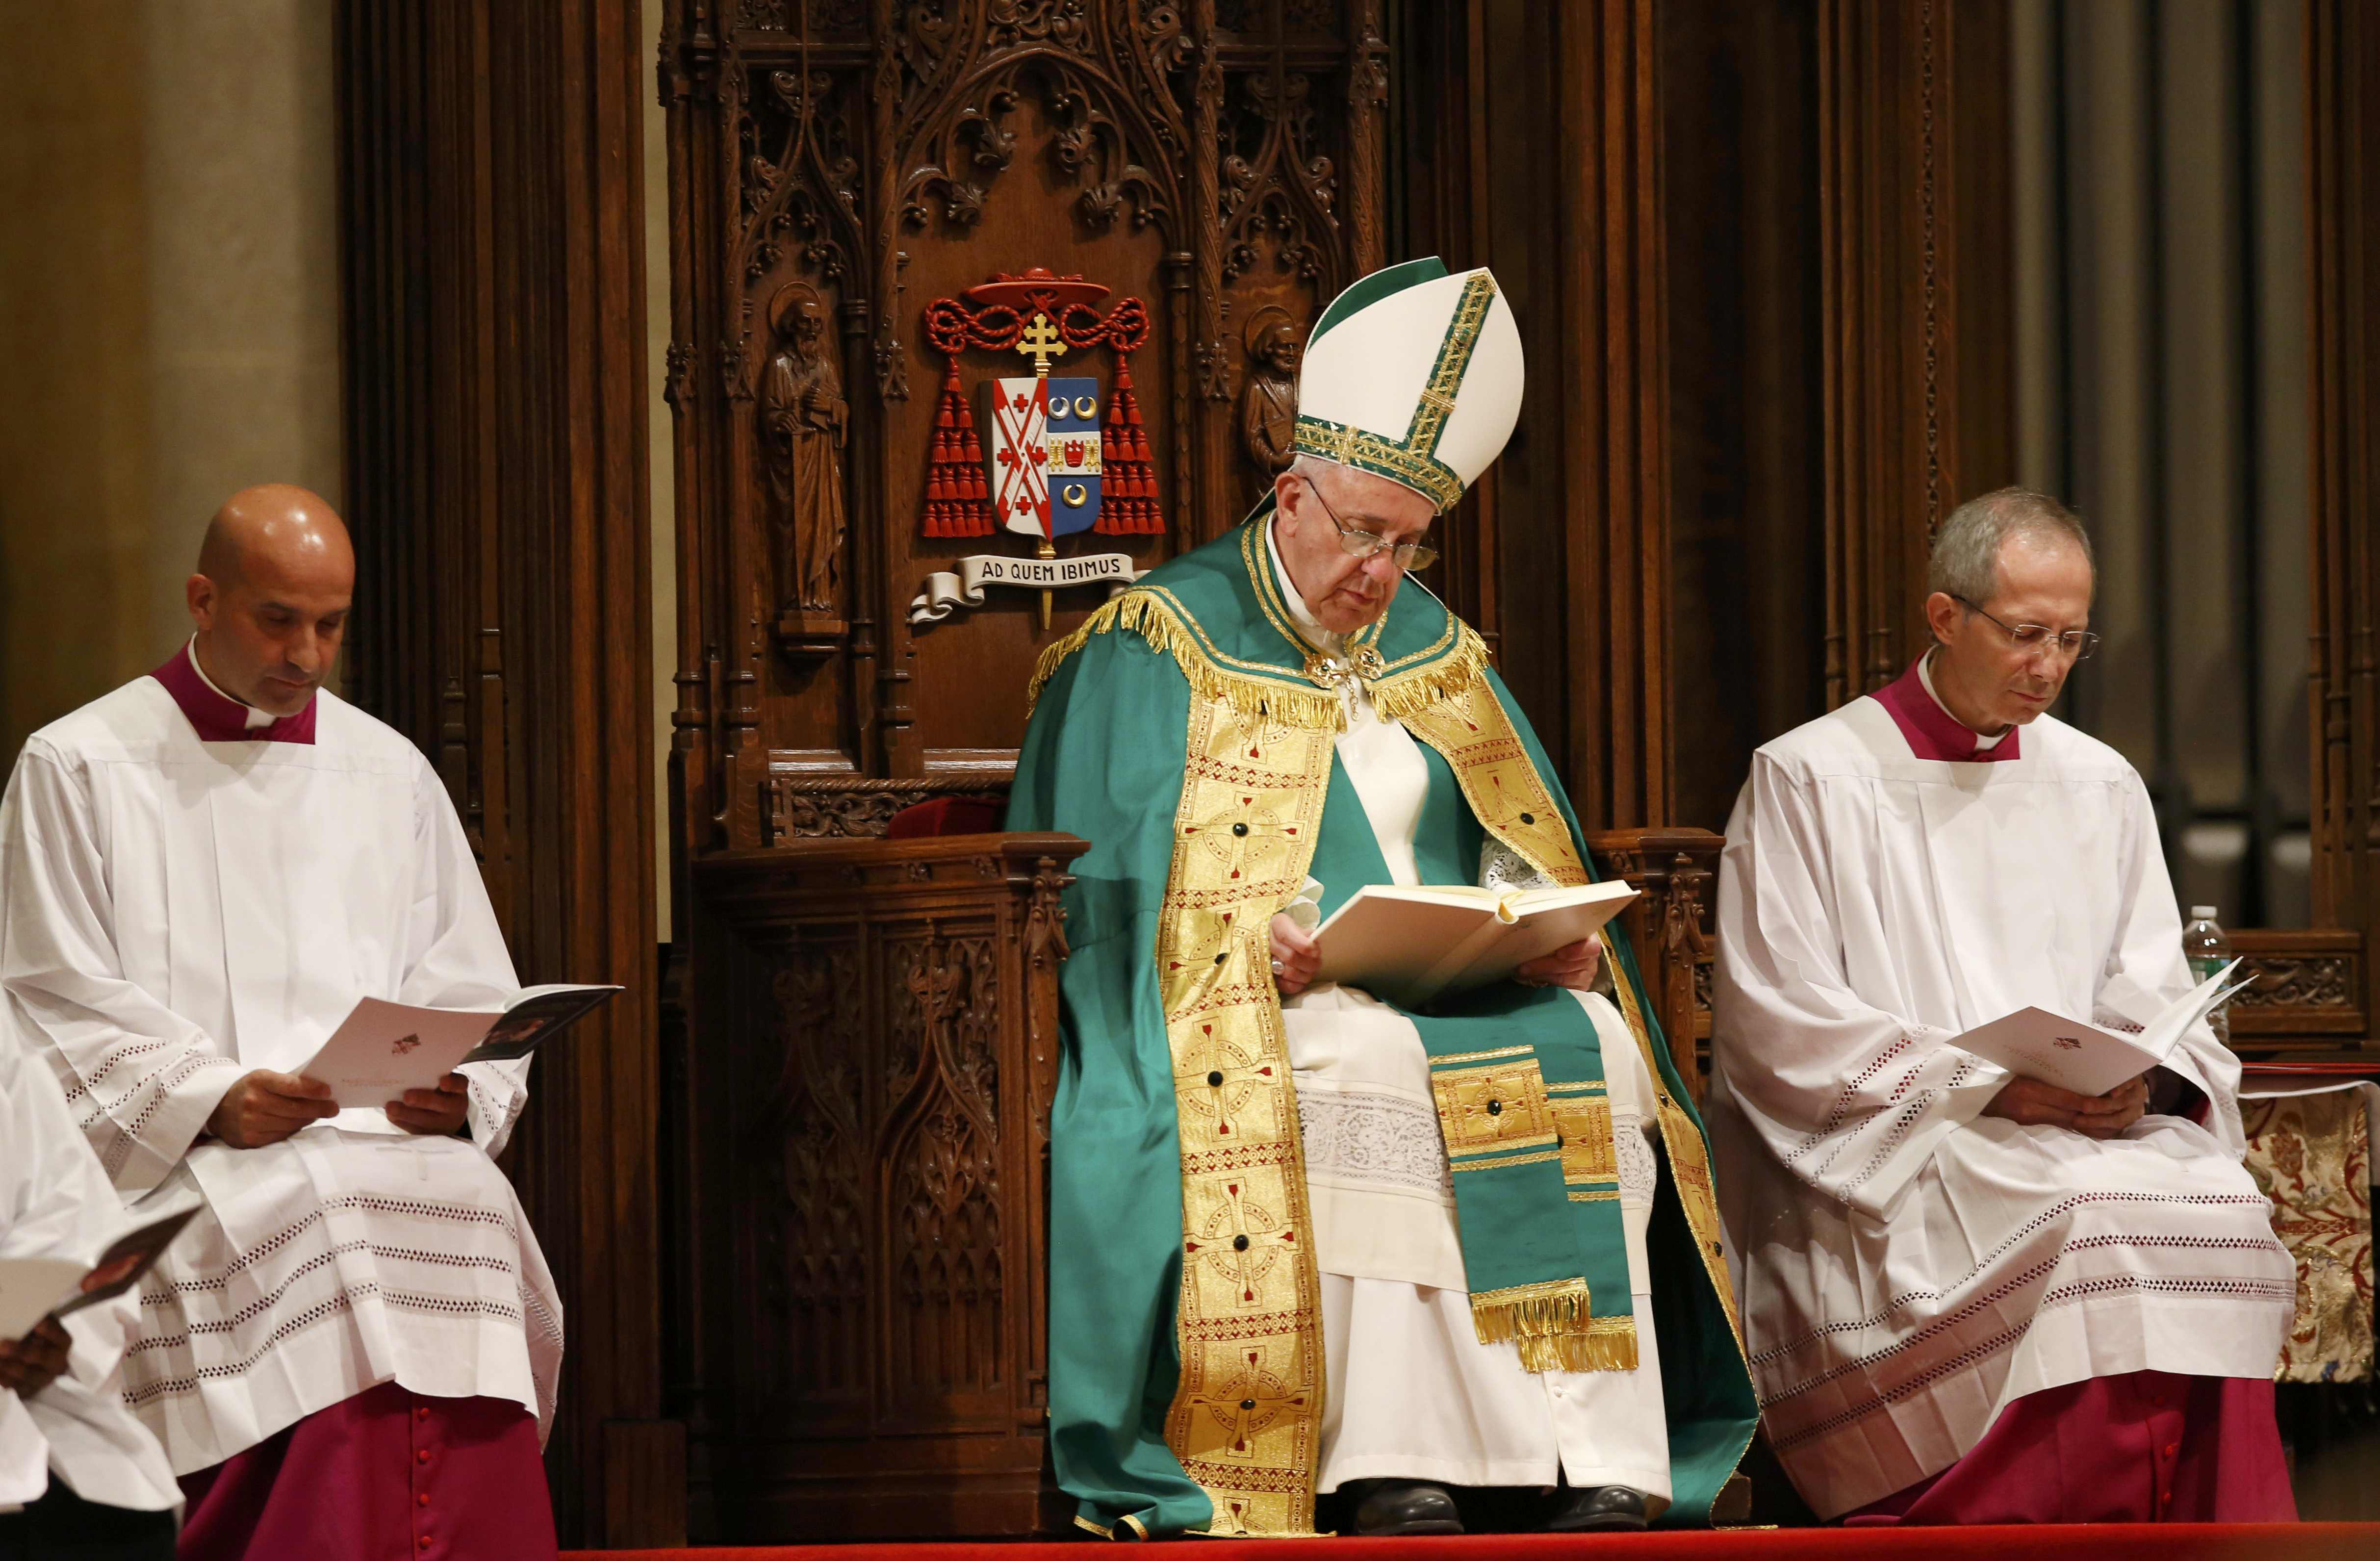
(1243, 1240)
(1500, 1106)
(1219, 1080)
(1242, 834)
(1251, 1401)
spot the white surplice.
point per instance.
(177, 913)
(1908, 1266)
(1414, 1395)
(56, 1203)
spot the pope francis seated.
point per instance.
(1292, 1253)
(1972, 1297)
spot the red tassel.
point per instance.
(955, 482)
(1132, 472)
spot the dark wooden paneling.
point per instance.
(1545, 164)
(876, 1099)
(2343, 102)
(1615, 514)
(1984, 229)
(1913, 112)
(497, 478)
(1747, 577)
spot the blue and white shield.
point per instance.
(1073, 428)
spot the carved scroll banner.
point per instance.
(946, 591)
(2311, 1153)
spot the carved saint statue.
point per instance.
(803, 418)
(1268, 402)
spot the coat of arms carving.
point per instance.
(1045, 458)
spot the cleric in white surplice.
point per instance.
(1969, 1297)
(79, 1475)
(353, 1350)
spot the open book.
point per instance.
(1411, 945)
(2055, 1049)
(35, 1287)
(382, 1049)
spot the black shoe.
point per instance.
(1598, 1509)
(1403, 1506)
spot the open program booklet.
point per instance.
(1410, 945)
(382, 1049)
(2055, 1049)
(35, 1287)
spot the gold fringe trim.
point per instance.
(1549, 1325)
(1401, 695)
(1608, 1346)
(1256, 698)
(1529, 1310)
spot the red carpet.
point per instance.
(2112, 1541)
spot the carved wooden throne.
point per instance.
(860, 1033)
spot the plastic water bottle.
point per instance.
(2208, 949)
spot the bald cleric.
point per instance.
(353, 1350)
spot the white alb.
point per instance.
(178, 912)
(1907, 1266)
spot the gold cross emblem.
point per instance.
(1041, 342)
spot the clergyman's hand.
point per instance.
(1296, 956)
(1572, 964)
(33, 1362)
(2031, 1103)
(433, 1112)
(265, 1108)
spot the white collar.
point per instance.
(1299, 613)
(256, 717)
(1926, 676)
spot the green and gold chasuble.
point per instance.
(1188, 730)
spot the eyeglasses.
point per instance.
(1365, 544)
(2031, 637)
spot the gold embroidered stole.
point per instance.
(1473, 733)
(1246, 1421)
(1246, 1417)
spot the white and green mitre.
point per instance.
(1414, 375)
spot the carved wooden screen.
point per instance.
(836, 166)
